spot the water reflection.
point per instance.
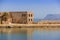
(18, 34)
(13, 34)
(46, 35)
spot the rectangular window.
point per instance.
(29, 19)
(23, 15)
(31, 15)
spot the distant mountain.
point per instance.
(49, 17)
(52, 17)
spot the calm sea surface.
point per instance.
(36, 35)
(46, 35)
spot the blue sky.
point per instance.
(40, 8)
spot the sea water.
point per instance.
(13, 36)
(46, 35)
(36, 35)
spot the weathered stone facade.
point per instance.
(18, 17)
(4, 16)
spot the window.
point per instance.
(23, 15)
(29, 19)
(31, 15)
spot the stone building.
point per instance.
(5, 18)
(19, 17)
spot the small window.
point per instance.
(23, 15)
(29, 15)
(29, 19)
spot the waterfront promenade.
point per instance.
(29, 27)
